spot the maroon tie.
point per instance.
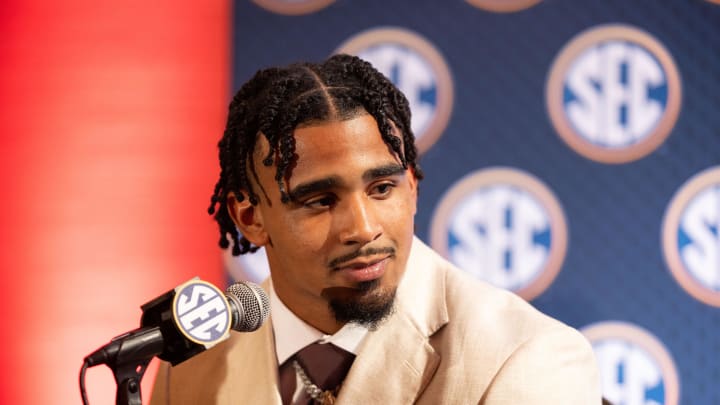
(325, 364)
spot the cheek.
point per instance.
(397, 216)
(406, 205)
(307, 234)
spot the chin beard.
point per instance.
(366, 304)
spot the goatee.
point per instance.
(367, 304)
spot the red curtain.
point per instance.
(109, 117)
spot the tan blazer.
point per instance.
(451, 340)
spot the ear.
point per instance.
(413, 183)
(248, 219)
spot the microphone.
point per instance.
(185, 321)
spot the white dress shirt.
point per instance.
(292, 334)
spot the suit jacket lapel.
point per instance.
(249, 368)
(392, 367)
(245, 370)
(396, 362)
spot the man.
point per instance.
(318, 166)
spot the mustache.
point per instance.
(339, 261)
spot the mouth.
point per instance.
(363, 270)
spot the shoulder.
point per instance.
(465, 298)
(219, 375)
(554, 365)
(476, 305)
(506, 346)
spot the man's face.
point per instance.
(345, 235)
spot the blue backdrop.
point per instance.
(571, 151)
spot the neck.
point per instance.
(327, 326)
(315, 313)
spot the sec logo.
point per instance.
(293, 7)
(613, 94)
(635, 367)
(417, 69)
(201, 312)
(250, 266)
(691, 236)
(503, 6)
(503, 226)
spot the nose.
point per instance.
(359, 221)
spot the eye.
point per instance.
(382, 190)
(320, 202)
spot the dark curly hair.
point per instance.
(277, 100)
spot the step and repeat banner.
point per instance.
(572, 155)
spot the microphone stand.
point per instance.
(132, 360)
(161, 334)
(156, 336)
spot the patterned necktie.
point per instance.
(326, 366)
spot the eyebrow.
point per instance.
(392, 169)
(304, 189)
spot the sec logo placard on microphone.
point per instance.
(635, 367)
(201, 312)
(503, 226)
(691, 236)
(613, 93)
(417, 68)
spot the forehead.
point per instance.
(355, 139)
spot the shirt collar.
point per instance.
(292, 333)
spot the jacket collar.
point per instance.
(394, 363)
